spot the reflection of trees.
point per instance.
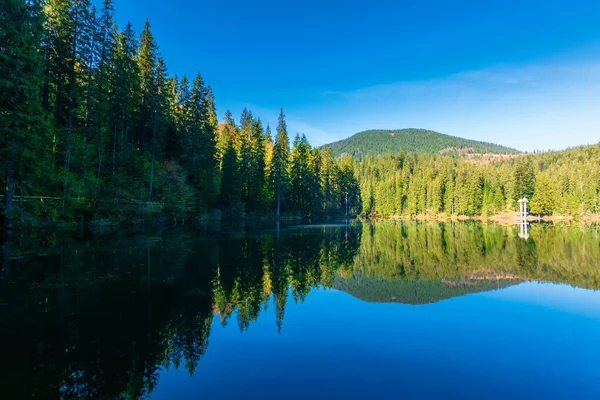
(100, 317)
(97, 320)
(257, 269)
(412, 250)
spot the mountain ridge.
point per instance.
(382, 141)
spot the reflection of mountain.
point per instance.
(97, 317)
(378, 290)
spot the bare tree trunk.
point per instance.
(46, 85)
(6, 259)
(278, 200)
(68, 153)
(10, 187)
(153, 152)
(87, 111)
(69, 139)
(72, 94)
(99, 154)
(114, 155)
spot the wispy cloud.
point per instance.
(536, 106)
(545, 105)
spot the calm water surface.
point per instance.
(352, 310)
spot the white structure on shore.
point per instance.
(523, 207)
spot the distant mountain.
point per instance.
(376, 290)
(413, 140)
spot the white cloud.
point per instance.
(537, 106)
(545, 105)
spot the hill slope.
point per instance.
(375, 290)
(413, 140)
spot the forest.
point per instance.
(95, 129)
(379, 141)
(565, 183)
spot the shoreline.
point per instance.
(506, 218)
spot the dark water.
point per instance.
(386, 310)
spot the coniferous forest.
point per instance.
(95, 128)
(565, 183)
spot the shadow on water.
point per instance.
(98, 315)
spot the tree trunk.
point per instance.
(153, 152)
(10, 187)
(114, 155)
(46, 86)
(5, 259)
(99, 154)
(87, 111)
(278, 200)
(69, 139)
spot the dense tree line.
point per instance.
(562, 182)
(93, 126)
(380, 141)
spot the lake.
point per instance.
(390, 309)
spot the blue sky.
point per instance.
(520, 73)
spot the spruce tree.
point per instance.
(230, 182)
(22, 135)
(280, 163)
(146, 60)
(246, 156)
(257, 179)
(299, 172)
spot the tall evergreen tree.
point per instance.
(246, 156)
(146, 60)
(280, 162)
(21, 119)
(523, 179)
(299, 172)
(230, 182)
(257, 177)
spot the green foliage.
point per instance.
(409, 184)
(67, 293)
(280, 162)
(544, 199)
(373, 142)
(523, 179)
(93, 126)
(24, 150)
(231, 182)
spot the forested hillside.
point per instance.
(373, 142)
(562, 182)
(414, 292)
(93, 127)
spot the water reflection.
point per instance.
(99, 316)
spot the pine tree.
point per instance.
(246, 156)
(146, 60)
(160, 115)
(230, 182)
(299, 172)
(22, 137)
(544, 199)
(106, 47)
(123, 103)
(523, 179)
(257, 176)
(280, 163)
(267, 189)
